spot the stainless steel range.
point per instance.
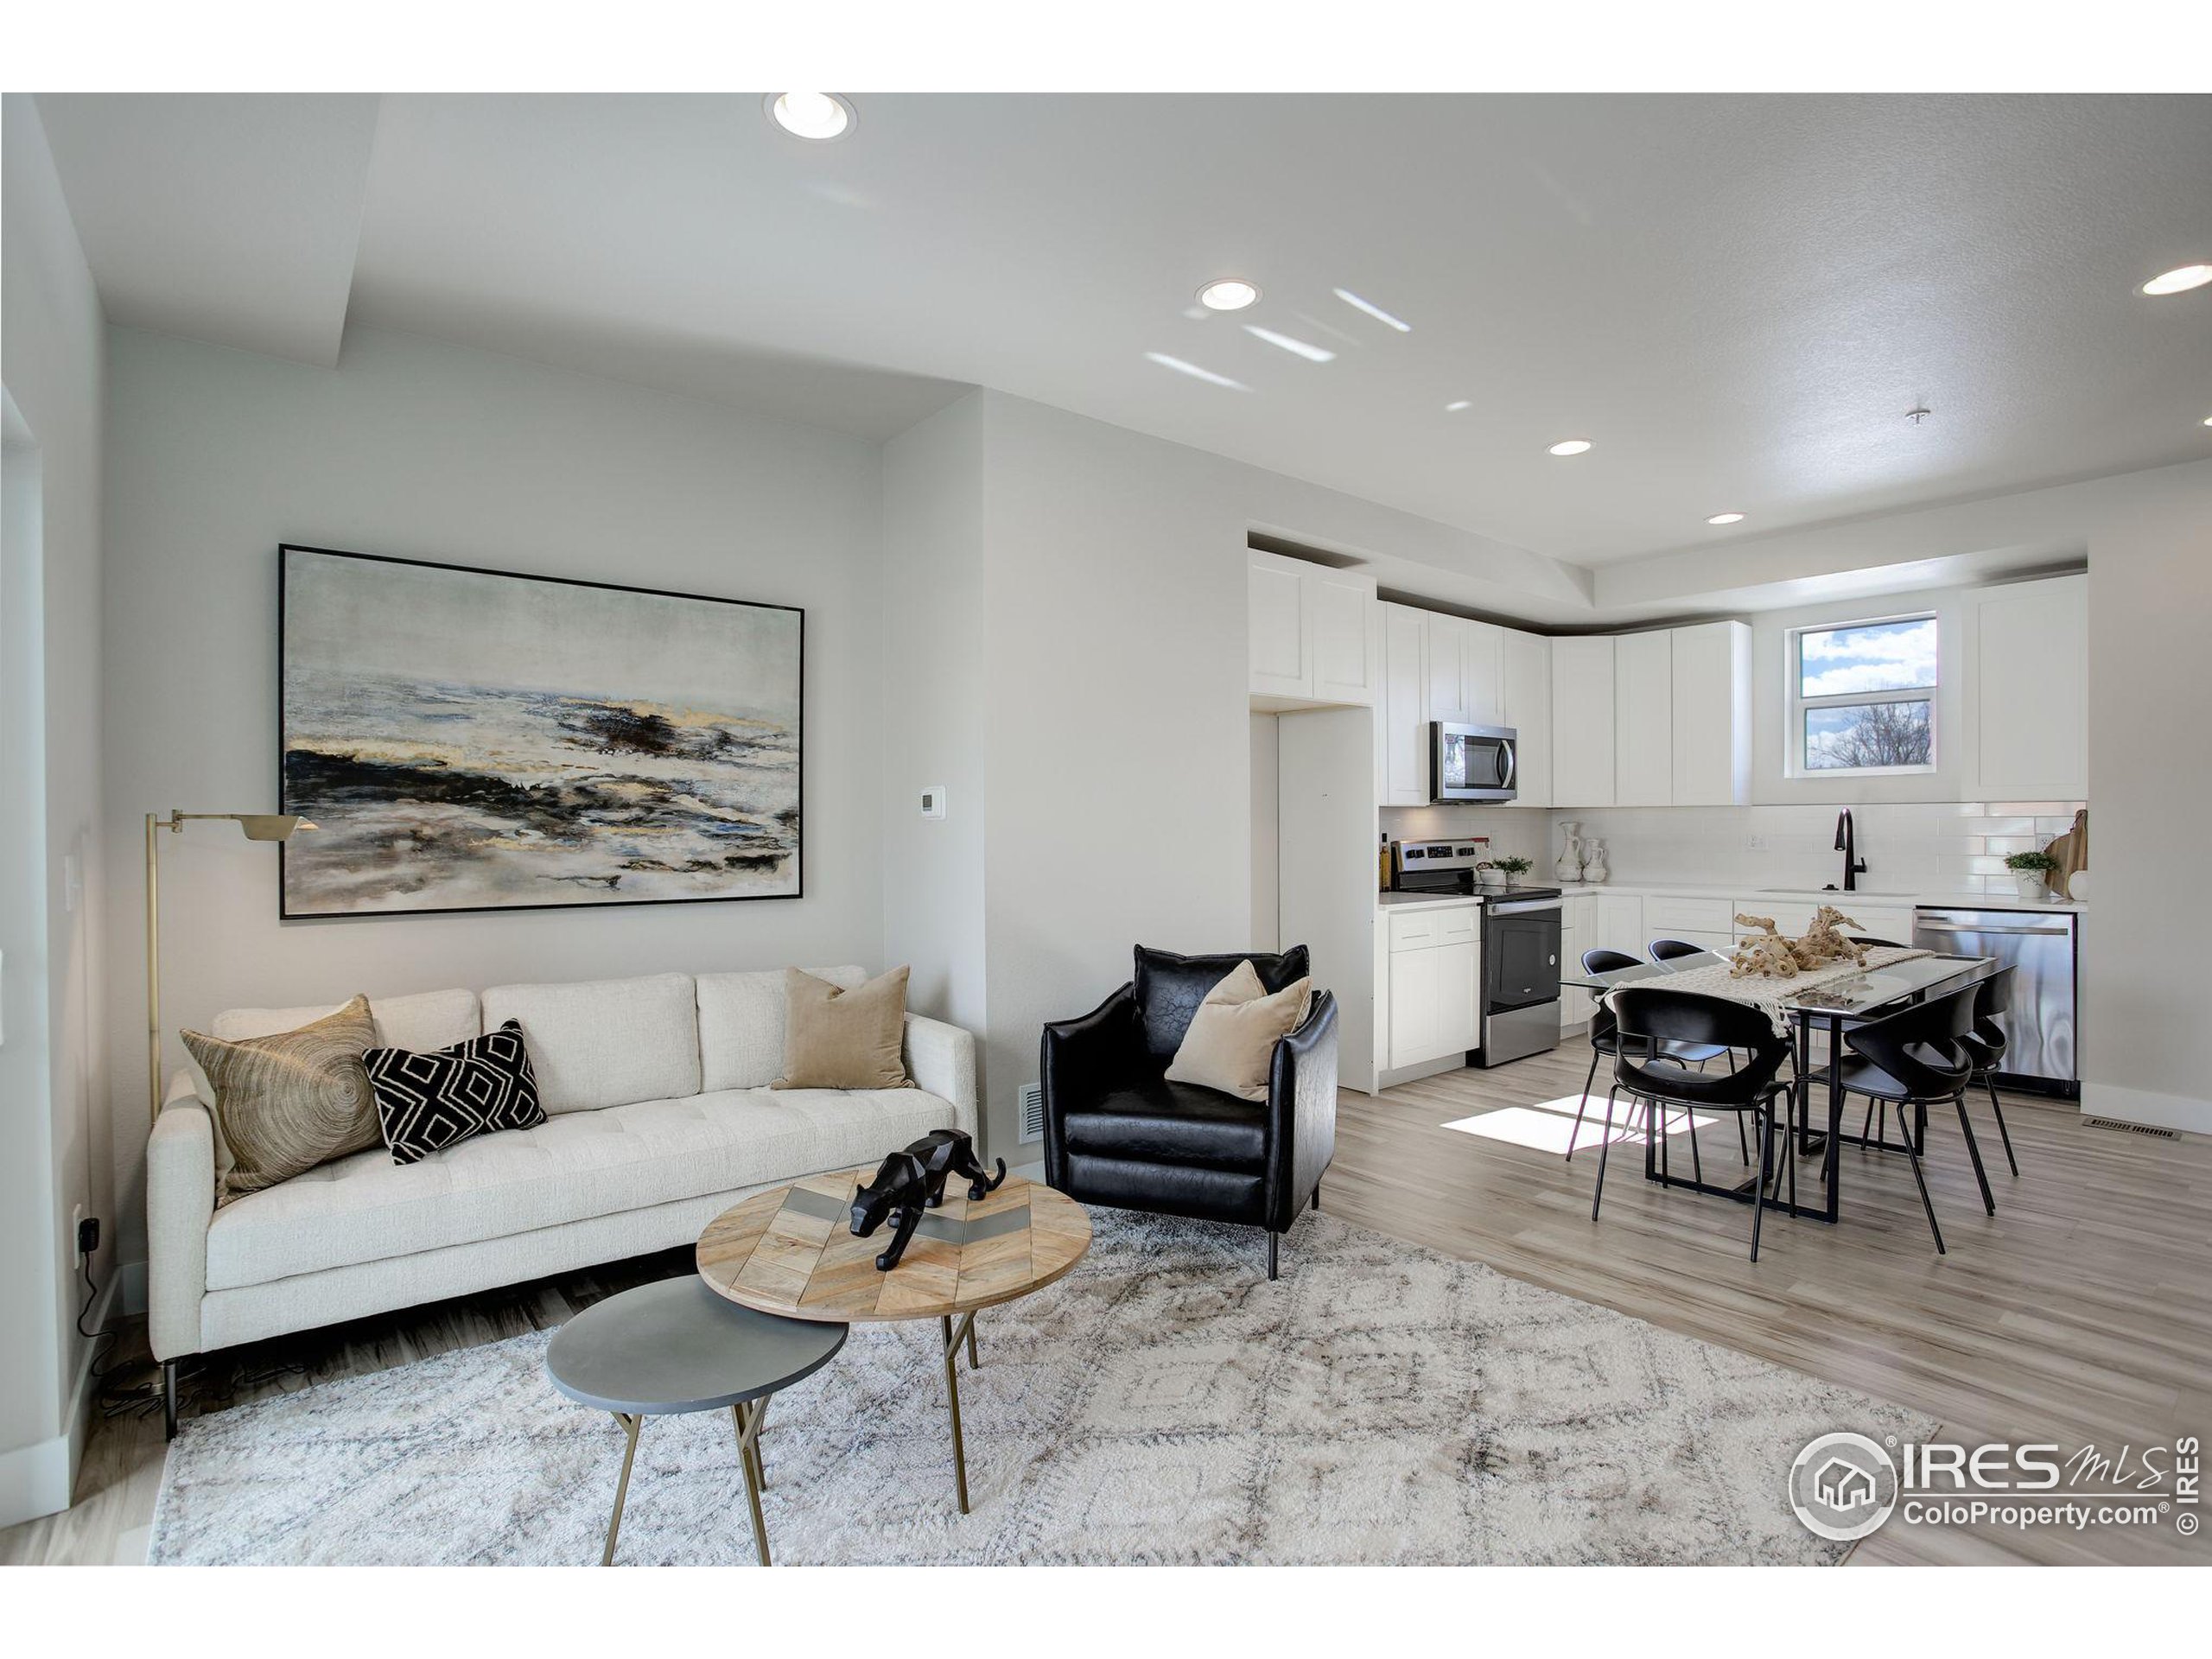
(1521, 945)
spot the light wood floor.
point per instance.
(2081, 1313)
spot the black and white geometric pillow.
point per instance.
(429, 1101)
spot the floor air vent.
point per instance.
(2131, 1128)
(1032, 1111)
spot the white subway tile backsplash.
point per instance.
(1937, 847)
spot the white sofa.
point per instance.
(658, 1117)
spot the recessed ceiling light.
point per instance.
(2180, 282)
(1295, 347)
(1372, 310)
(818, 115)
(2207, 420)
(1571, 446)
(1725, 518)
(1195, 371)
(1228, 295)
(1455, 407)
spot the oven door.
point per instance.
(1520, 955)
(1470, 762)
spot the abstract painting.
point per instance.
(470, 740)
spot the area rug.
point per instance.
(1164, 1403)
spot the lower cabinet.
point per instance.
(1435, 984)
(1578, 931)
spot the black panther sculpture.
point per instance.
(911, 1181)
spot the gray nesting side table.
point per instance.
(677, 1347)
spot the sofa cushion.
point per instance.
(1174, 1124)
(581, 1165)
(1169, 989)
(425, 1020)
(605, 1042)
(741, 1024)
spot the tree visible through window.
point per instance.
(1864, 696)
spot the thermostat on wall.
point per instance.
(933, 801)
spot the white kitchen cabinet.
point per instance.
(1710, 713)
(1465, 662)
(1435, 981)
(1620, 923)
(1578, 931)
(1402, 710)
(1644, 718)
(2031, 690)
(1525, 689)
(1582, 721)
(1312, 636)
(1347, 665)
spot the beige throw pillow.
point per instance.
(836, 1038)
(287, 1102)
(1231, 1043)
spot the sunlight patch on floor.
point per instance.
(1547, 1126)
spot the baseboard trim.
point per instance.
(1029, 1172)
(2144, 1106)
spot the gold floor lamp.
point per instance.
(258, 826)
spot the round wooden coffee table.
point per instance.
(791, 1252)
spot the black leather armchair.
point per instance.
(1117, 1132)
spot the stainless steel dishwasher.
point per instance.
(2041, 946)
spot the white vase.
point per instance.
(2032, 886)
(2077, 886)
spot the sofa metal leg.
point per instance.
(168, 1399)
(1271, 1255)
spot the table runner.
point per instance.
(1761, 992)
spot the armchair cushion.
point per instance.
(1231, 1043)
(1169, 989)
(1168, 1122)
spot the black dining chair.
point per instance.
(1650, 1020)
(1911, 1060)
(1596, 961)
(1985, 1046)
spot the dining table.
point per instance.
(1830, 1004)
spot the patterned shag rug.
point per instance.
(1164, 1403)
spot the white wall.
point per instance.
(432, 452)
(936, 662)
(1117, 747)
(54, 1108)
(2147, 1044)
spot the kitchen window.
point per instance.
(1862, 697)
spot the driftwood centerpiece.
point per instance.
(1765, 953)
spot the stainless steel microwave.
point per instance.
(1470, 762)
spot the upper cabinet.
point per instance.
(1656, 719)
(1401, 712)
(1643, 720)
(2031, 688)
(1711, 709)
(1582, 721)
(1464, 663)
(1526, 682)
(1315, 635)
(1447, 668)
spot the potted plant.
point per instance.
(2031, 873)
(1515, 868)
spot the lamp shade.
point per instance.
(272, 826)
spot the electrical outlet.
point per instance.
(88, 1235)
(1755, 844)
(77, 1230)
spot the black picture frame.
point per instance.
(286, 914)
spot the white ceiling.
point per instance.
(1737, 299)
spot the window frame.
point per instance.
(1793, 733)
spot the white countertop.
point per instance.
(1869, 898)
